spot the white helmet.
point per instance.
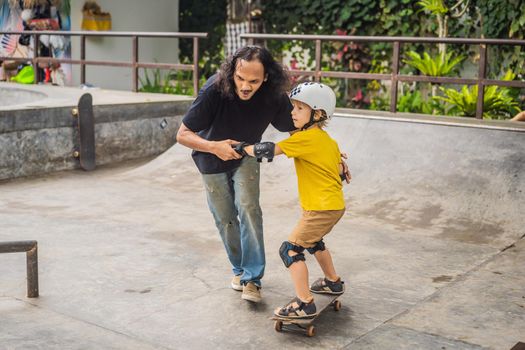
(315, 95)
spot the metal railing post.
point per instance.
(394, 82)
(318, 60)
(32, 272)
(82, 59)
(31, 250)
(36, 74)
(134, 67)
(482, 70)
(195, 66)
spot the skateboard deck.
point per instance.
(322, 302)
(86, 132)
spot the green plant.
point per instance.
(154, 85)
(498, 103)
(174, 82)
(437, 7)
(434, 67)
(380, 102)
(413, 102)
(442, 12)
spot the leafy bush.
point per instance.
(434, 67)
(498, 102)
(413, 102)
(435, 6)
(174, 82)
(408, 102)
(380, 103)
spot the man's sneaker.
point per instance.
(297, 309)
(236, 283)
(325, 286)
(251, 292)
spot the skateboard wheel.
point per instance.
(76, 154)
(310, 331)
(74, 112)
(337, 305)
(278, 326)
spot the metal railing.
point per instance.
(481, 81)
(31, 250)
(134, 64)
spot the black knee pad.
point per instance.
(318, 246)
(287, 259)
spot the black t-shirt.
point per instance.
(216, 118)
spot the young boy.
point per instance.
(319, 167)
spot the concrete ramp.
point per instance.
(456, 182)
(431, 248)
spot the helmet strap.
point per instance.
(312, 120)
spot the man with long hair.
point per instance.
(237, 105)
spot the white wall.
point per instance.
(127, 15)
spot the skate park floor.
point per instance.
(431, 248)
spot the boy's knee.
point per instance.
(291, 253)
(319, 246)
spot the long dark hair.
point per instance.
(278, 78)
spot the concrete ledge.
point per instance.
(432, 119)
(39, 139)
(57, 117)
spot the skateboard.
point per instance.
(322, 302)
(86, 132)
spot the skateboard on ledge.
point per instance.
(86, 132)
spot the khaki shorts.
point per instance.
(313, 226)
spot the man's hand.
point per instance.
(240, 148)
(223, 149)
(345, 171)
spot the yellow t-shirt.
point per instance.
(317, 157)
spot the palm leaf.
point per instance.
(434, 67)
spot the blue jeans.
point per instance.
(233, 198)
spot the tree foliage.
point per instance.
(468, 18)
(502, 18)
(414, 18)
(358, 17)
(203, 16)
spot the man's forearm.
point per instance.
(222, 149)
(188, 138)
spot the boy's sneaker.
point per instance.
(297, 309)
(236, 283)
(325, 286)
(251, 292)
